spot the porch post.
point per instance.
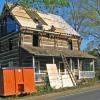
(71, 64)
(53, 60)
(78, 64)
(33, 62)
(93, 65)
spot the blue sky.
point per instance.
(2, 2)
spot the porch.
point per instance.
(81, 64)
(81, 68)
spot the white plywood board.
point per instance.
(54, 79)
(58, 81)
(66, 81)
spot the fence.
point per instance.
(86, 74)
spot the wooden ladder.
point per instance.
(67, 66)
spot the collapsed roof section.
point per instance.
(25, 18)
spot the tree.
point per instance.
(84, 16)
(93, 14)
(47, 3)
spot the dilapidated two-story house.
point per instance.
(33, 38)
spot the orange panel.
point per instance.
(9, 82)
(29, 80)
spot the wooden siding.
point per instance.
(62, 43)
(46, 42)
(53, 42)
(25, 58)
(75, 44)
(26, 39)
(8, 54)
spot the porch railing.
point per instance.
(39, 77)
(86, 74)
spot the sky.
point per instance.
(83, 43)
(2, 2)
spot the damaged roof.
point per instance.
(22, 17)
(60, 24)
(26, 19)
(40, 51)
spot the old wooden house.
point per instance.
(33, 38)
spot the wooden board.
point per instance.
(66, 81)
(54, 79)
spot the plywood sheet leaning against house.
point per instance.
(58, 81)
(54, 78)
(66, 81)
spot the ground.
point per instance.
(63, 93)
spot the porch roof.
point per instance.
(40, 51)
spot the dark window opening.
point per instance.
(70, 45)
(61, 66)
(10, 44)
(35, 40)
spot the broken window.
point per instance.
(70, 45)
(35, 40)
(10, 44)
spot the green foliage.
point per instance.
(47, 3)
(43, 89)
(94, 52)
(56, 3)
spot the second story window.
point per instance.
(70, 45)
(35, 40)
(10, 44)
